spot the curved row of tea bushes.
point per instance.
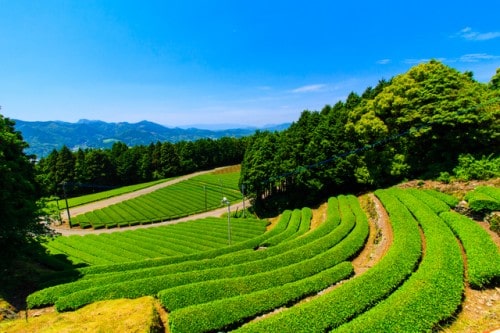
(171, 202)
(223, 314)
(331, 252)
(293, 226)
(448, 199)
(171, 240)
(152, 285)
(493, 192)
(158, 268)
(437, 205)
(246, 245)
(432, 294)
(84, 249)
(483, 256)
(482, 199)
(231, 255)
(360, 293)
(142, 246)
(77, 256)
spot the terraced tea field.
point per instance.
(195, 195)
(206, 285)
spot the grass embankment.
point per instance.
(122, 315)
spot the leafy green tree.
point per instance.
(46, 173)
(99, 168)
(495, 80)
(18, 192)
(170, 163)
(65, 166)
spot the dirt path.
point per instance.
(64, 230)
(113, 200)
(380, 237)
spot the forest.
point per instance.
(93, 170)
(415, 125)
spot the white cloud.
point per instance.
(469, 34)
(309, 88)
(419, 61)
(476, 57)
(383, 61)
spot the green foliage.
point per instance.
(432, 294)
(222, 314)
(19, 212)
(84, 199)
(469, 168)
(415, 125)
(356, 295)
(483, 199)
(171, 240)
(191, 196)
(451, 201)
(286, 268)
(90, 170)
(483, 256)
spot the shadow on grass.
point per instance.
(31, 268)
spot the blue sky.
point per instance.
(209, 62)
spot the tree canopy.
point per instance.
(18, 191)
(415, 125)
(92, 170)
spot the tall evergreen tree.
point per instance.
(18, 192)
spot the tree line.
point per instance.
(93, 170)
(416, 124)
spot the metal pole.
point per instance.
(67, 206)
(229, 222)
(205, 189)
(243, 195)
(228, 203)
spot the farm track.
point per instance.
(66, 231)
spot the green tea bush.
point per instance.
(360, 293)
(483, 256)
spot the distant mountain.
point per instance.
(44, 136)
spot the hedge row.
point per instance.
(493, 192)
(483, 200)
(226, 313)
(292, 227)
(172, 240)
(483, 256)
(432, 294)
(160, 267)
(325, 256)
(152, 285)
(97, 275)
(171, 202)
(356, 295)
(249, 244)
(448, 199)
(437, 205)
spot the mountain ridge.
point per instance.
(45, 136)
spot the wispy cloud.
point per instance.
(309, 88)
(471, 57)
(469, 34)
(422, 60)
(383, 61)
(476, 57)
